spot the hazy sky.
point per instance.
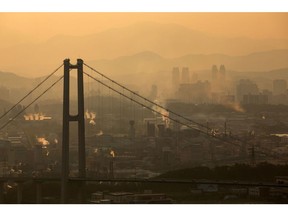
(41, 26)
(24, 36)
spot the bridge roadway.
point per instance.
(39, 180)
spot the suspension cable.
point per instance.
(158, 105)
(29, 93)
(10, 120)
(155, 111)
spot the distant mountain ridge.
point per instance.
(149, 62)
(168, 40)
(12, 80)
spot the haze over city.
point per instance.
(164, 108)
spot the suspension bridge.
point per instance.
(123, 92)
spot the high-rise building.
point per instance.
(153, 93)
(214, 72)
(222, 73)
(175, 77)
(194, 77)
(246, 87)
(185, 75)
(255, 99)
(279, 86)
(199, 92)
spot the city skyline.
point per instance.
(158, 108)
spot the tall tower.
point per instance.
(222, 73)
(67, 118)
(185, 75)
(214, 73)
(175, 77)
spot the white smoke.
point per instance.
(43, 141)
(164, 114)
(90, 116)
(36, 117)
(100, 133)
(112, 153)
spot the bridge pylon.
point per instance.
(67, 118)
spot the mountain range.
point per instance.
(149, 67)
(149, 62)
(158, 44)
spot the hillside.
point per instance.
(150, 62)
(168, 40)
(149, 67)
(12, 80)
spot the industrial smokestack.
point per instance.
(132, 129)
(161, 130)
(185, 75)
(111, 168)
(150, 129)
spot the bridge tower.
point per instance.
(67, 118)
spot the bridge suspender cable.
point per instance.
(29, 93)
(155, 111)
(175, 120)
(158, 105)
(168, 110)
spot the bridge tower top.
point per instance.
(67, 118)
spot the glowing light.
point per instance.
(36, 117)
(43, 141)
(91, 117)
(112, 153)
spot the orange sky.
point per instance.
(21, 31)
(41, 26)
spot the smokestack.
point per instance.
(222, 73)
(175, 77)
(150, 129)
(132, 130)
(38, 156)
(214, 72)
(161, 130)
(185, 75)
(111, 168)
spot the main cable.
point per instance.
(155, 111)
(10, 120)
(158, 105)
(138, 95)
(175, 120)
(29, 93)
